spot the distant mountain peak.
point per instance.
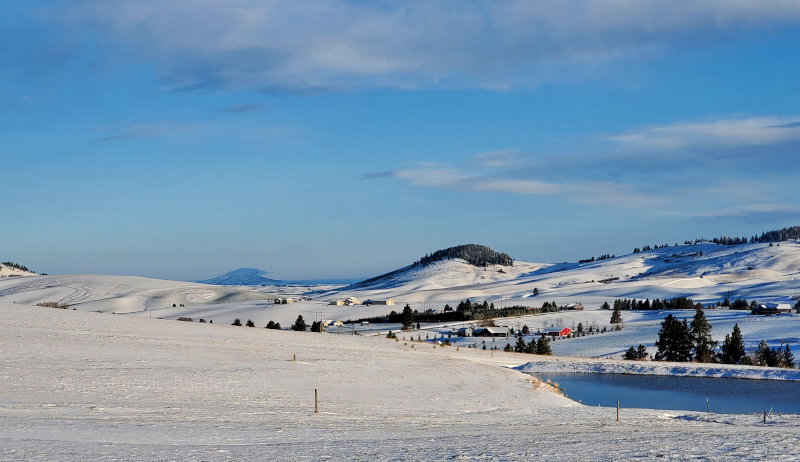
(243, 277)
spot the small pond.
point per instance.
(726, 396)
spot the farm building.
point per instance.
(283, 301)
(490, 332)
(331, 323)
(772, 308)
(464, 332)
(337, 302)
(388, 301)
(349, 301)
(575, 306)
(557, 331)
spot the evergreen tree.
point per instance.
(508, 347)
(520, 346)
(316, 326)
(526, 330)
(674, 341)
(788, 357)
(250, 323)
(630, 354)
(641, 352)
(702, 343)
(732, 349)
(616, 317)
(543, 346)
(606, 306)
(407, 318)
(531, 347)
(763, 354)
(299, 324)
(236, 322)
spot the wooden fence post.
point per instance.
(316, 402)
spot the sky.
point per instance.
(344, 139)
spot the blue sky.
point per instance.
(333, 138)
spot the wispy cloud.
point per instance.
(205, 44)
(138, 131)
(501, 158)
(729, 132)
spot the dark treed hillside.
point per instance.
(777, 235)
(17, 266)
(474, 254)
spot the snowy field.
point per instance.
(80, 385)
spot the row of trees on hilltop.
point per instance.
(777, 235)
(474, 254)
(605, 256)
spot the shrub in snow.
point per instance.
(299, 324)
(236, 322)
(52, 305)
(250, 323)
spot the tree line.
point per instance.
(677, 303)
(777, 235)
(466, 310)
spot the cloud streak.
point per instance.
(201, 45)
(730, 132)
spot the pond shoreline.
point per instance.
(606, 366)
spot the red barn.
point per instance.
(557, 331)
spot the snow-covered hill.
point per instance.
(120, 294)
(707, 272)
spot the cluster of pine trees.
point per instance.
(774, 357)
(537, 347)
(681, 341)
(474, 254)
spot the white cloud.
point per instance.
(416, 43)
(731, 132)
